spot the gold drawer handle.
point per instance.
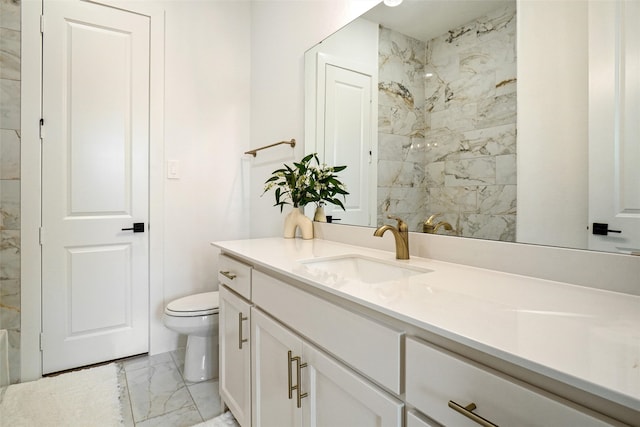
(296, 387)
(228, 275)
(290, 374)
(300, 394)
(467, 411)
(241, 340)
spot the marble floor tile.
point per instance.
(154, 394)
(145, 361)
(125, 402)
(178, 358)
(156, 390)
(183, 417)
(206, 395)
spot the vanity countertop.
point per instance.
(585, 337)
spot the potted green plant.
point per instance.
(303, 183)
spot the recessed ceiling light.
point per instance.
(392, 3)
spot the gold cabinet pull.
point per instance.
(290, 375)
(229, 275)
(300, 394)
(299, 366)
(240, 339)
(467, 411)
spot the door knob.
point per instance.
(603, 229)
(138, 227)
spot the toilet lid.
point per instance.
(194, 305)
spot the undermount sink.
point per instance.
(361, 269)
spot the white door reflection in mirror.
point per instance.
(348, 140)
(614, 128)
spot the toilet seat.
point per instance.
(202, 304)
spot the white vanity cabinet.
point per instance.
(456, 391)
(320, 356)
(235, 343)
(295, 384)
(235, 355)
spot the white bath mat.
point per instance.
(88, 397)
(224, 420)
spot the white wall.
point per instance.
(552, 90)
(206, 130)
(281, 31)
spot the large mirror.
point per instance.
(481, 119)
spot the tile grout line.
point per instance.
(186, 385)
(126, 381)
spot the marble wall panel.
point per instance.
(9, 54)
(497, 111)
(9, 254)
(401, 126)
(407, 203)
(473, 119)
(10, 304)
(434, 174)
(506, 169)
(10, 105)
(493, 141)
(395, 120)
(493, 227)
(10, 14)
(10, 179)
(9, 154)
(497, 200)
(401, 59)
(465, 172)
(9, 204)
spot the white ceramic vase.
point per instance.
(319, 216)
(296, 219)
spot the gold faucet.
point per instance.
(431, 228)
(401, 235)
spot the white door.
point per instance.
(614, 125)
(337, 396)
(275, 374)
(235, 355)
(95, 283)
(347, 137)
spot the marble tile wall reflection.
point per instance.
(447, 127)
(10, 179)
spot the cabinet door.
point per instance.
(338, 397)
(274, 373)
(235, 355)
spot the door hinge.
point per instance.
(41, 340)
(42, 24)
(41, 235)
(41, 128)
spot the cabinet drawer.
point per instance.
(416, 420)
(235, 275)
(363, 343)
(436, 377)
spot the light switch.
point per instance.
(173, 169)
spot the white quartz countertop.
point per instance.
(585, 337)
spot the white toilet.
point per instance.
(197, 317)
